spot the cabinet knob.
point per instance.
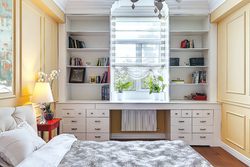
(176, 113)
(203, 121)
(91, 113)
(68, 113)
(198, 113)
(186, 113)
(103, 113)
(80, 113)
(202, 137)
(208, 113)
(181, 137)
(97, 121)
(73, 128)
(97, 136)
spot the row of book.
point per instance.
(187, 44)
(76, 61)
(105, 92)
(103, 61)
(76, 43)
(198, 77)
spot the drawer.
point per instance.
(203, 129)
(186, 113)
(80, 113)
(208, 113)
(203, 137)
(68, 113)
(180, 129)
(203, 121)
(178, 136)
(197, 113)
(175, 113)
(98, 128)
(181, 121)
(74, 121)
(97, 113)
(80, 136)
(98, 121)
(74, 128)
(98, 136)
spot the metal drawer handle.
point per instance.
(97, 128)
(203, 129)
(97, 121)
(181, 121)
(80, 113)
(202, 137)
(181, 137)
(186, 113)
(97, 136)
(73, 128)
(91, 113)
(208, 113)
(68, 113)
(176, 113)
(103, 113)
(74, 121)
(198, 113)
(203, 121)
(181, 129)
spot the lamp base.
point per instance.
(42, 120)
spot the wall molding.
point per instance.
(236, 154)
(137, 136)
(61, 4)
(214, 4)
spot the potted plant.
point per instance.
(120, 88)
(154, 86)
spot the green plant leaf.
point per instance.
(160, 78)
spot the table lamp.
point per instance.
(42, 94)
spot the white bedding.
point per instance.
(51, 153)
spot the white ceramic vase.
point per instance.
(156, 96)
(119, 96)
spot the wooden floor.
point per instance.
(219, 157)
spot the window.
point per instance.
(138, 50)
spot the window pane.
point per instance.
(137, 35)
(144, 82)
(137, 26)
(123, 79)
(149, 51)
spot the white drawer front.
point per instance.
(208, 113)
(202, 137)
(97, 113)
(80, 113)
(203, 121)
(97, 128)
(186, 113)
(68, 113)
(175, 113)
(98, 121)
(181, 121)
(203, 129)
(178, 136)
(180, 129)
(80, 136)
(98, 136)
(74, 121)
(74, 128)
(197, 113)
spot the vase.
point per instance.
(156, 96)
(119, 96)
(48, 116)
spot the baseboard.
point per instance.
(236, 154)
(137, 136)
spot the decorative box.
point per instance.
(199, 61)
(197, 97)
(174, 61)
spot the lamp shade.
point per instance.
(42, 93)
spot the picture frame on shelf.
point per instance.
(92, 79)
(77, 75)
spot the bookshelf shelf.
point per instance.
(87, 49)
(88, 84)
(188, 49)
(87, 33)
(87, 66)
(188, 66)
(188, 32)
(138, 64)
(189, 84)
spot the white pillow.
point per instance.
(17, 144)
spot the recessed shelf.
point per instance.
(87, 49)
(88, 33)
(188, 32)
(189, 84)
(87, 66)
(188, 49)
(138, 64)
(88, 84)
(188, 66)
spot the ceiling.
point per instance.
(104, 6)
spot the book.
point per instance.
(178, 81)
(108, 74)
(197, 77)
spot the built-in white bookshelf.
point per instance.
(190, 27)
(94, 30)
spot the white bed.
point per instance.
(20, 146)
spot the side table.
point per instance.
(54, 123)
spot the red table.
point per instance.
(54, 123)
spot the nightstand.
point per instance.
(54, 123)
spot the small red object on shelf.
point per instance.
(197, 97)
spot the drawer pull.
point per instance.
(75, 136)
(97, 128)
(208, 113)
(80, 113)
(181, 129)
(73, 128)
(97, 136)
(198, 113)
(202, 137)
(181, 121)
(103, 113)
(186, 113)
(91, 113)
(73, 121)
(68, 113)
(181, 137)
(97, 121)
(203, 121)
(203, 129)
(176, 113)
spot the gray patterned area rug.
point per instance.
(133, 154)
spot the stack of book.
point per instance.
(104, 78)
(103, 61)
(76, 61)
(177, 81)
(105, 92)
(198, 77)
(76, 43)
